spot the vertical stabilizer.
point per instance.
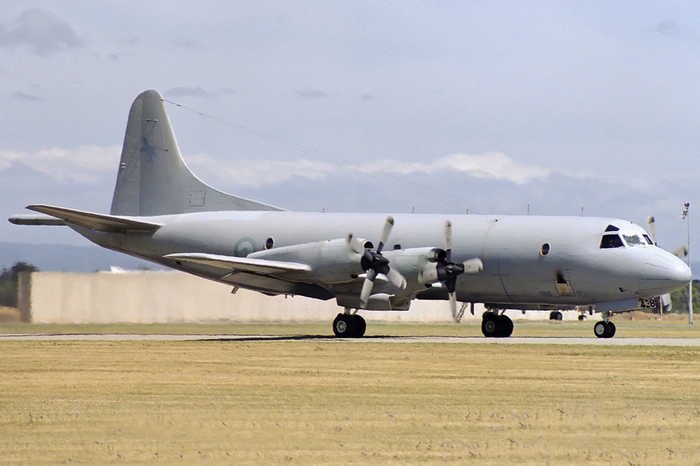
(153, 179)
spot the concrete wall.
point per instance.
(169, 296)
(155, 297)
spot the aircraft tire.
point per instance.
(604, 329)
(506, 326)
(360, 326)
(491, 325)
(344, 326)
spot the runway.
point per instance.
(690, 342)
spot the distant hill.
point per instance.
(64, 258)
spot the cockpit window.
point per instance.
(634, 240)
(611, 241)
(617, 240)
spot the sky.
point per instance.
(479, 107)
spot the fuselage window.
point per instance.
(611, 241)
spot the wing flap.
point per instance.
(99, 222)
(244, 264)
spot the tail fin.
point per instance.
(153, 179)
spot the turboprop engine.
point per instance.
(333, 261)
(402, 272)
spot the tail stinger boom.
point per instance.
(153, 178)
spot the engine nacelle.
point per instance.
(417, 265)
(333, 261)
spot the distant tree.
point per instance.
(9, 283)
(679, 299)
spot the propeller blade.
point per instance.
(665, 301)
(355, 243)
(388, 225)
(367, 287)
(681, 252)
(396, 279)
(447, 231)
(473, 265)
(453, 304)
(651, 228)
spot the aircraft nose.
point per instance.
(663, 273)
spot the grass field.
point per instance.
(636, 325)
(330, 402)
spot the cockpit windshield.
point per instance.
(634, 240)
(615, 240)
(611, 241)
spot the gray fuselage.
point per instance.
(524, 258)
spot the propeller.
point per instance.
(373, 263)
(680, 252)
(651, 228)
(448, 271)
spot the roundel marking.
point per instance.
(244, 246)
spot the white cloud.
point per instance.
(84, 165)
(492, 165)
(260, 172)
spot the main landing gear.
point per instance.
(349, 326)
(496, 325)
(604, 329)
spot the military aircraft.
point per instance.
(163, 213)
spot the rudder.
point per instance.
(153, 178)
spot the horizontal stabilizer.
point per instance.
(244, 264)
(99, 222)
(36, 220)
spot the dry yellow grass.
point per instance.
(9, 314)
(331, 402)
(674, 326)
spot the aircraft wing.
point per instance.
(244, 264)
(99, 222)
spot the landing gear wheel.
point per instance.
(604, 329)
(344, 326)
(600, 329)
(506, 326)
(490, 325)
(556, 315)
(360, 326)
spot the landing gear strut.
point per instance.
(496, 325)
(349, 326)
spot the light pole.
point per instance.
(685, 216)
